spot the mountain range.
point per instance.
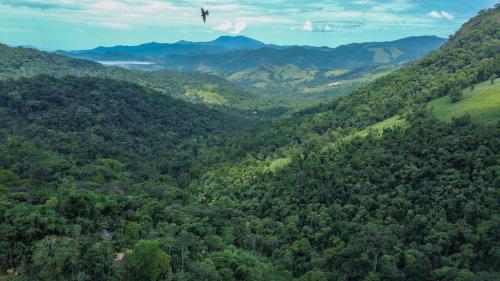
(156, 51)
(300, 74)
(229, 54)
(260, 69)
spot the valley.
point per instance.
(238, 160)
(290, 76)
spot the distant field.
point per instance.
(351, 83)
(482, 103)
(208, 95)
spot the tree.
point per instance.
(455, 95)
(314, 275)
(376, 240)
(147, 262)
(203, 271)
(417, 265)
(98, 260)
(56, 258)
(133, 231)
(298, 256)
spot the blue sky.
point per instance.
(83, 24)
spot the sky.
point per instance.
(85, 24)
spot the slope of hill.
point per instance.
(85, 121)
(468, 58)
(481, 102)
(373, 186)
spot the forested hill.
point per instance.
(374, 185)
(87, 128)
(471, 56)
(193, 87)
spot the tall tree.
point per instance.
(147, 262)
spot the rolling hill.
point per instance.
(294, 73)
(205, 88)
(106, 119)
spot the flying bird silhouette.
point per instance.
(204, 14)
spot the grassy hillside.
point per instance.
(482, 103)
(471, 57)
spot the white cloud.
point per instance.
(239, 27)
(225, 26)
(230, 16)
(231, 28)
(308, 26)
(441, 15)
(435, 15)
(447, 15)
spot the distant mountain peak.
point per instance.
(237, 37)
(183, 42)
(236, 42)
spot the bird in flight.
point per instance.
(204, 14)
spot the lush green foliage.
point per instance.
(470, 57)
(370, 206)
(101, 131)
(147, 262)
